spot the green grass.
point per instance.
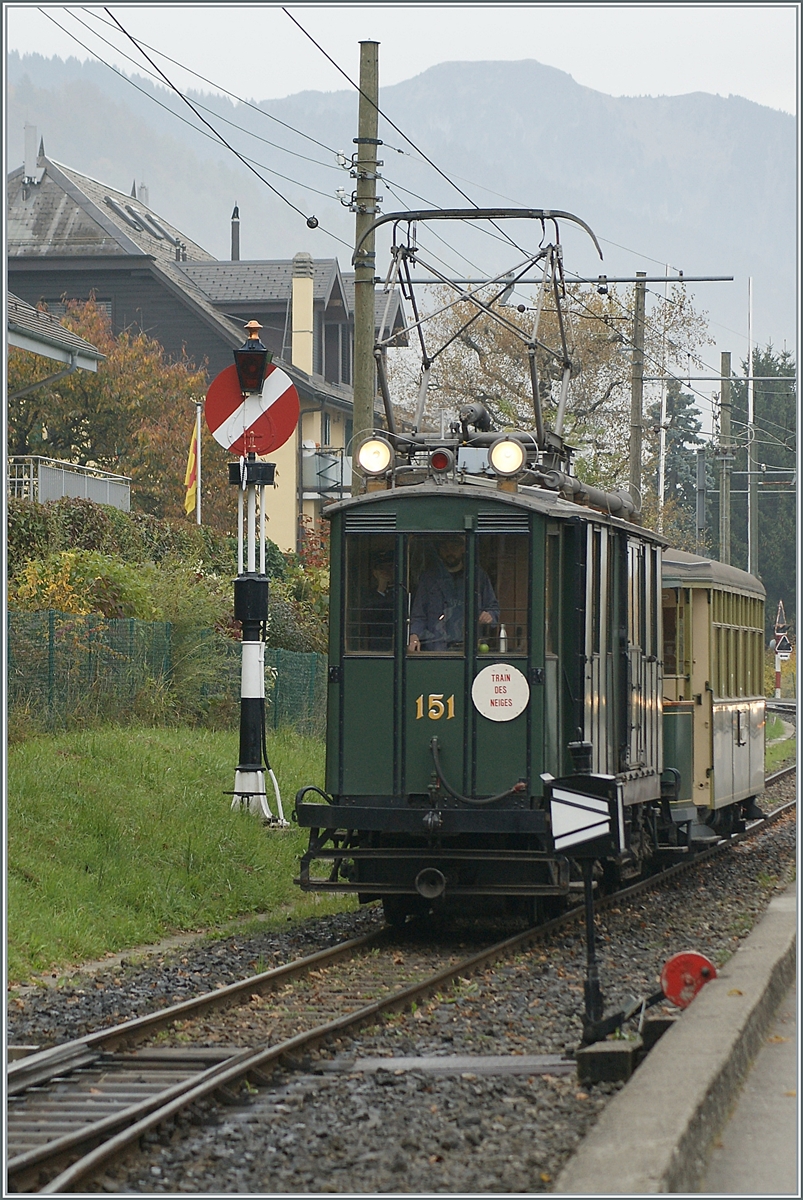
(118, 837)
(774, 728)
(782, 754)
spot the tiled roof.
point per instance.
(256, 281)
(69, 214)
(45, 330)
(269, 281)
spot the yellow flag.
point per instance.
(191, 477)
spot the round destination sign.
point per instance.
(500, 692)
(261, 422)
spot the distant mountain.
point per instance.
(705, 183)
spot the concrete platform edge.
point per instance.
(654, 1136)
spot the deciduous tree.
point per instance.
(134, 416)
(488, 362)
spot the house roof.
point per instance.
(71, 214)
(68, 215)
(261, 281)
(41, 333)
(270, 281)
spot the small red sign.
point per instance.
(261, 422)
(684, 974)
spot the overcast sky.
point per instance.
(748, 50)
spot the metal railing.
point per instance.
(325, 471)
(36, 478)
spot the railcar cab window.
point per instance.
(440, 601)
(371, 584)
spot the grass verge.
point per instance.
(118, 837)
(782, 754)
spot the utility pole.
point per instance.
(700, 538)
(752, 489)
(366, 208)
(637, 389)
(725, 459)
(662, 419)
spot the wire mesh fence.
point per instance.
(65, 669)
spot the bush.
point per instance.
(82, 582)
(37, 530)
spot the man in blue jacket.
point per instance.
(438, 613)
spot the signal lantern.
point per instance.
(441, 460)
(251, 359)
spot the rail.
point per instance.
(101, 1141)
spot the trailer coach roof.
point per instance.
(683, 570)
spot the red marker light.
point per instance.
(441, 460)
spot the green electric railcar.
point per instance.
(441, 740)
(496, 722)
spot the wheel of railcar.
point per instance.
(724, 820)
(396, 909)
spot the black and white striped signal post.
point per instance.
(252, 408)
(251, 610)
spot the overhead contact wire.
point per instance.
(218, 135)
(205, 107)
(263, 112)
(202, 132)
(393, 125)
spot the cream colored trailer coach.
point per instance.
(713, 702)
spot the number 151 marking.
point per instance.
(436, 708)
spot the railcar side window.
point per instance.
(503, 560)
(596, 539)
(371, 583)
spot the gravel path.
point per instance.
(412, 1132)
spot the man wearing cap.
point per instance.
(438, 613)
(379, 602)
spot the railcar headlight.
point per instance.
(375, 456)
(507, 456)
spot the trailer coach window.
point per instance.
(370, 594)
(670, 607)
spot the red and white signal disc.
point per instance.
(260, 422)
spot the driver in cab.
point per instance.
(438, 614)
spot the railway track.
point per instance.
(76, 1107)
(784, 706)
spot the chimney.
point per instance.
(30, 152)
(235, 235)
(31, 173)
(301, 352)
(134, 189)
(143, 195)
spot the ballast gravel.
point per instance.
(319, 1131)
